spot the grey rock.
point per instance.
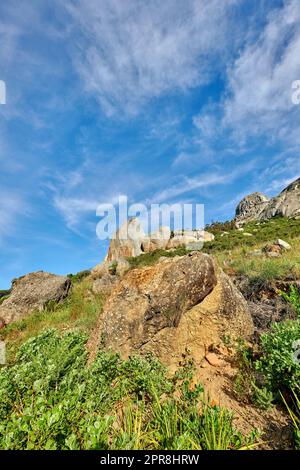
(283, 244)
(251, 207)
(33, 292)
(259, 207)
(286, 204)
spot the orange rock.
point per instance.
(213, 359)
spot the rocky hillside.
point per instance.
(172, 324)
(257, 206)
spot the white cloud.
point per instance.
(132, 51)
(259, 82)
(73, 209)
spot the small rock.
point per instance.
(213, 359)
(283, 244)
(240, 229)
(246, 234)
(163, 258)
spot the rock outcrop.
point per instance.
(257, 206)
(181, 302)
(33, 292)
(286, 204)
(127, 242)
(131, 241)
(251, 207)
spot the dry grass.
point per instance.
(241, 260)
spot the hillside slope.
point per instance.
(210, 356)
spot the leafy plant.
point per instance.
(262, 397)
(50, 399)
(293, 298)
(277, 362)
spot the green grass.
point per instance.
(267, 269)
(235, 252)
(80, 310)
(267, 231)
(149, 259)
(51, 399)
(79, 276)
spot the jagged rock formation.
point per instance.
(181, 302)
(286, 204)
(251, 207)
(257, 206)
(131, 241)
(33, 291)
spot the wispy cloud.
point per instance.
(259, 82)
(130, 52)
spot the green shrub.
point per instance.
(262, 397)
(51, 399)
(277, 363)
(79, 276)
(293, 298)
(148, 259)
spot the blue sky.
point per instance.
(173, 101)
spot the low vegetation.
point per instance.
(80, 310)
(50, 399)
(236, 253)
(79, 276)
(149, 259)
(263, 232)
(272, 374)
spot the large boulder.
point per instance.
(33, 292)
(127, 242)
(251, 207)
(181, 302)
(157, 240)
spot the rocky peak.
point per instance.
(257, 206)
(251, 206)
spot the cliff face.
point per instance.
(257, 206)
